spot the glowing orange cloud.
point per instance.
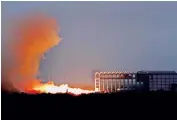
(32, 36)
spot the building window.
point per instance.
(163, 81)
(175, 80)
(154, 76)
(167, 76)
(171, 81)
(171, 76)
(163, 76)
(134, 82)
(175, 76)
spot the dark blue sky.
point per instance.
(107, 36)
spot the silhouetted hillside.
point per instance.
(62, 106)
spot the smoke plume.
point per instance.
(29, 38)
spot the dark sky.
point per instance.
(107, 36)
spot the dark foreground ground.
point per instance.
(93, 106)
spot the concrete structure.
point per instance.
(142, 80)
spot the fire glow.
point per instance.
(51, 88)
(32, 36)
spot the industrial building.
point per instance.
(158, 80)
(115, 81)
(142, 80)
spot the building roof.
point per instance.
(156, 72)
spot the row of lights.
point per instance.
(118, 72)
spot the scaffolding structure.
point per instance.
(114, 81)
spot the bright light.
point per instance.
(64, 88)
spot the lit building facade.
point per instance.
(115, 81)
(142, 80)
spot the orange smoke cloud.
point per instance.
(31, 36)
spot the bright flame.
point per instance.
(31, 37)
(64, 88)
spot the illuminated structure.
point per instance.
(114, 81)
(142, 80)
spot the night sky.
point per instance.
(105, 36)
